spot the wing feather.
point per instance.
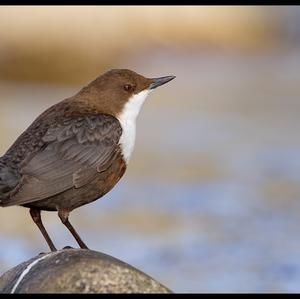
(75, 151)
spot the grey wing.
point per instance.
(75, 151)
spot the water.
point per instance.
(210, 201)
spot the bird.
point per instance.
(77, 150)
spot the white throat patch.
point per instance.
(127, 119)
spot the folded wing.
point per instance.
(75, 151)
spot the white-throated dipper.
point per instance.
(77, 150)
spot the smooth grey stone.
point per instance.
(77, 271)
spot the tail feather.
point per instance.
(8, 180)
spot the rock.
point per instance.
(77, 271)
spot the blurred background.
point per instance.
(211, 199)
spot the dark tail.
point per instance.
(8, 180)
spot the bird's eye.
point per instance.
(128, 87)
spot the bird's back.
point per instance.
(24, 147)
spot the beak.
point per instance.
(155, 82)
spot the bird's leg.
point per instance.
(64, 215)
(36, 217)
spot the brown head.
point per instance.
(111, 91)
